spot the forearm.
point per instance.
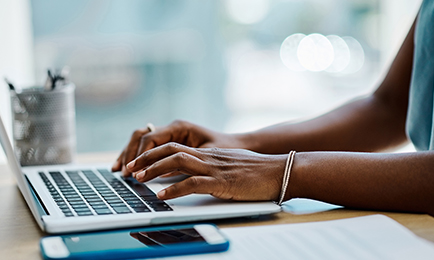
(362, 125)
(398, 182)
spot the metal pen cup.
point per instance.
(44, 125)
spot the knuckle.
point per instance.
(193, 182)
(173, 147)
(145, 138)
(181, 157)
(181, 124)
(142, 156)
(137, 133)
(215, 152)
(178, 122)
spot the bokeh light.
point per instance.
(288, 52)
(341, 54)
(315, 52)
(356, 53)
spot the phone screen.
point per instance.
(130, 240)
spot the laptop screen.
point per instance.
(3, 158)
(5, 143)
(15, 168)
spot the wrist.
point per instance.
(247, 141)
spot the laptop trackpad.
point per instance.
(189, 200)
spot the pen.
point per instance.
(49, 82)
(11, 86)
(56, 78)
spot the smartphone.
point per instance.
(137, 243)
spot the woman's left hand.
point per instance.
(232, 174)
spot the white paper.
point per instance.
(307, 206)
(370, 237)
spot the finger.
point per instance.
(181, 161)
(171, 174)
(131, 149)
(149, 157)
(117, 166)
(152, 140)
(175, 132)
(194, 184)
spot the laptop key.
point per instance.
(92, 198)
(74, 200)
(68, 191)
(122, 190)
(99, 206)
(150, 198)
(76, 203)
(134, 206)
(80, 207)
(129, 195)
(138, 202)
(142, 209)
(89, 195)
(71, 196)
(108, 194)
(113, 199)
(132, 199)
(162, 208)
(84, 190)
(159, 206)
(103, 211)
(84, 213)
(65, 210)
(84, 187)
(98, 203)
(110, 197)
(117, 204)
(141, 189)
(121, 210)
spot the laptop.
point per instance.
(89, 197)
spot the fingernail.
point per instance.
(131, 164)
(141, 175)
(161, 194)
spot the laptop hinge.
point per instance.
(42, 210)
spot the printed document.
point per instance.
(370, 237)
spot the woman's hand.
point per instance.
(180, 132)
(232, 174)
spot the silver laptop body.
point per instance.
(74, 197)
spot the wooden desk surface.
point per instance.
(19, 233)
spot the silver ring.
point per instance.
(150, 127)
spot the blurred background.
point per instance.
(233, 65)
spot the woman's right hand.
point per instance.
(181, 132)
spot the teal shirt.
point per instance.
(420, 114)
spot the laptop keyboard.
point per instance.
(85, 194)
